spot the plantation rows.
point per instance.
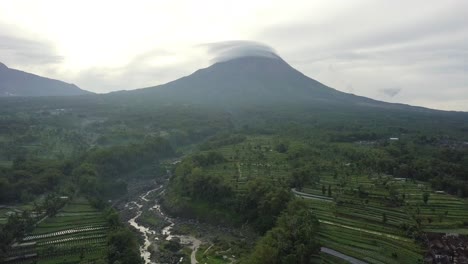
(440, 212)
(78, 233)
(370, 229)
(74, 240)
(64, 232)
(370, 217)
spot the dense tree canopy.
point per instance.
(292, 240)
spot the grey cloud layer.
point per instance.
(20, 50)
(418, 46)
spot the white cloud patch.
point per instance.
(228, 50)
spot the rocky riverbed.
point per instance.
(165, 239)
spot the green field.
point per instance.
(77, 234)
(370, 217)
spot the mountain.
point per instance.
(253, 80)
(18, 83)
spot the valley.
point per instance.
(190, 172)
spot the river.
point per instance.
(151, 236)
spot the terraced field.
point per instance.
(248, 160)
(77, 234)
(372, 218)
(371, 230)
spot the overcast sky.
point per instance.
(413, 52)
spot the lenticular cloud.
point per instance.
(228, 50)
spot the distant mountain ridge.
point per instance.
(18, 83)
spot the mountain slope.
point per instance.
(254, 80)
(18, 83)
(245, 80)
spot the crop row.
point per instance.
(65, 232)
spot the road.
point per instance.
(311, 196)
(341, 256)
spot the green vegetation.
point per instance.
(363, 212)
(372, 198)
(227, 198)
(76, 232)
(292, 240)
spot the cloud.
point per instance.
(228, 50)
(420, 49)
(391, 92)
(150, 68)
(21, 50)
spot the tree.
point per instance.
(52, 204)
(329, 190)
(263, 202)
(324, 190)
(384, 218)
(112, 219)
(281, 148)
(425, 197)
(299, 178)
(123, 247)
(292, 240)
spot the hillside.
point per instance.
(18, 83)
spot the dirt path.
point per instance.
(196, 244)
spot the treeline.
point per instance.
(104, 171)
(259, 205)
(29, 178)
(100, 171)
